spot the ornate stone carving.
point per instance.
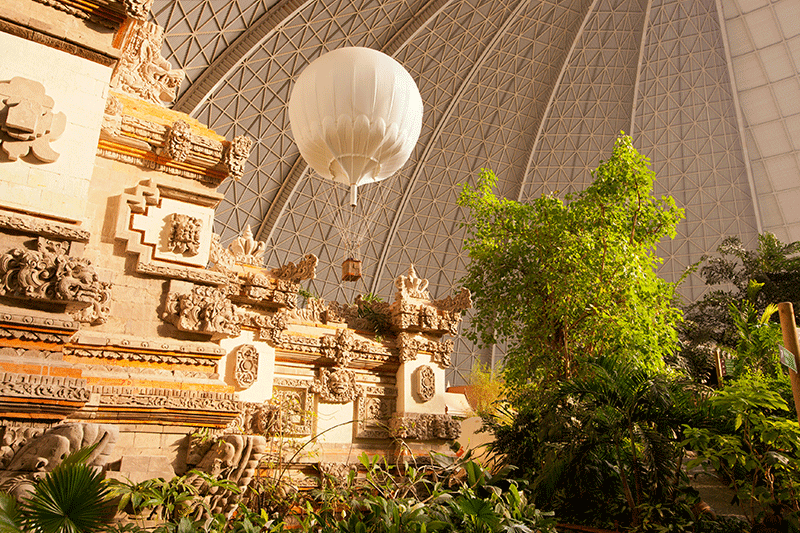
(425, 427)
(172, 406)
(178, 142)
(455, 304)
(204, 310)
(43, 387)
(305, 269)
(138, 9)
(236, 155)
(425, 383)
(339, 347)
(184, 235)
(246, 371)
(44, 228)
(411, 286)
(48, 273)
(246, 250)
(408, 345)
(440, 352)
(223, 260)
(334, 474)
(141, 71)
(336, 386)
(28, 122)
(44, 451)
(291, 398)
(232, 457)
(375, 409)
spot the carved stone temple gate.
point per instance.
(123, 320)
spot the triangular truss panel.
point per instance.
(686, 123)
(535, 90)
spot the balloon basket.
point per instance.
(351, 270)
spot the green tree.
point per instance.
(561, 282)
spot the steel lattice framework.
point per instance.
(537, 90)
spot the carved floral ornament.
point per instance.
(236, 156)
(178, 141)
(184, 234)
(425, 383)
(425, 427)
(49, 273)
(27, 121)
(246, 371)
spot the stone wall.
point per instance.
(124, 322)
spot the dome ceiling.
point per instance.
(535, 90)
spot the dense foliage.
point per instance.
(560, 283)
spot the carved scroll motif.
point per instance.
(236, 155)
(246, 371)
(425, 427)
(339, 347)
(305, 269)
(48, 273)
(204, 310)
(337, 386)
(184, 235)
(408, 345)
(27, 121)
(425, 383)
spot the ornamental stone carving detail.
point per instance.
(204, 310)
(425, 383)
(138, 9)
(425, 427)
(408, 345)
(339, 347)
(27, 121)
(375, 410)
(178, 143)
(246, 371)
(304, 269)
(336, 386)
(291, 398)
(184, 235)
(48, 273)
(455, 304)
(440, 352)
(236, 155)
(411, 286)
(141, 71)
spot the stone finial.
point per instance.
(411, 286)
(27, 121)
(246, 250)
(236, 155)
(141, 71)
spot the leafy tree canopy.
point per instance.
(561, 282)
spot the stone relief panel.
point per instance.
(336, 386)
(204, 310)
(291, 397)
(246, 371)
(424, 383)
(142, 71)
(425, 427)
(178, 141)
(50, 274)
(374, 410)
(27, 121)
(184, 235)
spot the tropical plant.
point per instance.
(750, 440)
(774, 265)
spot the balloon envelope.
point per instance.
(356, 115)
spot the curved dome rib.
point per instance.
(554, 90)
(244, 45)
(521, 4)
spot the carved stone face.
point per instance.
(338, 383)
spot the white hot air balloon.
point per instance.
(355, 114)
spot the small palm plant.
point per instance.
(72, 498)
